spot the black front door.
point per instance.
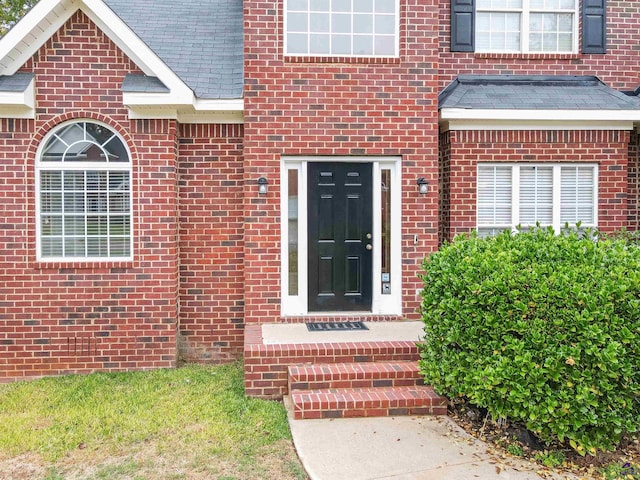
(340, 236)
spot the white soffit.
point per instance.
(512, 119)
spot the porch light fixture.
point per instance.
(423, 186)
(263, 186)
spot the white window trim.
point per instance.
(297, 305)
(525, 11)
(515, 193)
(330, 55)
(41, 166)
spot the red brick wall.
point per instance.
(211, 242)
(68, 317)
(609, 149)
(634, 182)
(304, 106)
(445, 186)
(618, 68)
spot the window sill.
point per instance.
(82, 265)
(332, 59)
(528, 56)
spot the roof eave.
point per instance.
(48, 16)
(155, 106)
(504, 119)
(539, 114)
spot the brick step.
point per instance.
(367, 402)
(266, 364)
(354, 375)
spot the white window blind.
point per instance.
(577, 197)
(83, 187)
(536, 195)
(494, 199)
(525, 195)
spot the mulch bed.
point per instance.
(513, 437)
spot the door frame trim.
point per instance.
(297, 305)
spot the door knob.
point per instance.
(369, 236)
(368, 247)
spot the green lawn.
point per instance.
(192, 422)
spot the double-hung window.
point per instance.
(83, 188)
(555, 195)
(362, 28)
(526, 26)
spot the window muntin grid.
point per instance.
(84, 207)
(527, 26)
(358, 28)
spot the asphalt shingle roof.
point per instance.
(18, 82)
(141, 83)
(201, 41)
(534, 92)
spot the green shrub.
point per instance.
(540, 329)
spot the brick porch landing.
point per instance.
(340, 374)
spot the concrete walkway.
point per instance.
(401, 448)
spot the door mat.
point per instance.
(335, 326)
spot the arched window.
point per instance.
(83, 189)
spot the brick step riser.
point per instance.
(354, 375)
(365, 403)
(355, 383)
(368, 412)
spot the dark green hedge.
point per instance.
(538, 328)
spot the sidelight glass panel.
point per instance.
(385, 234)
(292, 196)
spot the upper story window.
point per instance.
(529, 26)
(554, 195)
(526, 26)
(83, 194)
(345, 28)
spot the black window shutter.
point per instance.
(594, 26)
(462, 25)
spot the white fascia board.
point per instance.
(226, 104)
(479, 124)
(138, 99)
(19, 104)
(539, 115)
(40, 23)
(144, 99)
(157, 105)
(174, 112)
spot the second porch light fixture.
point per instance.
(423, 186)
(263, 186)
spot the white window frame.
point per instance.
(556, 224)
(44, 166)
(352, 55)
(525, 11)
(387, 304)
